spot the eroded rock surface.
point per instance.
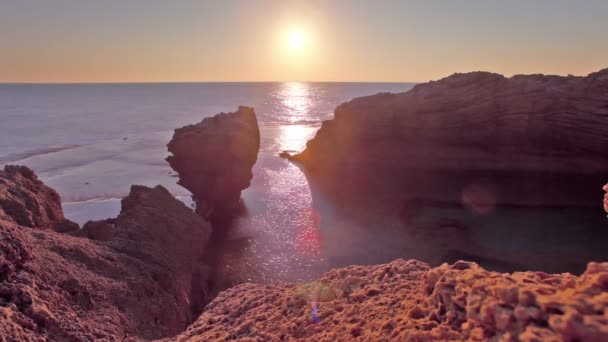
(136, 282)
(214, 159)
(26, 201)
(409, 301)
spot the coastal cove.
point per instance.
(381, 180)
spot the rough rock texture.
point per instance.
(136, 283)
(409, 301)
(26, 201)
(214, 159)
(526, 133)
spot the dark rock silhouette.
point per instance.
(409, 301)
(135, 283)
(214, 159)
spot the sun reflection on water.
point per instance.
(293, 138)
(297, 99)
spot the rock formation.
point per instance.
(409, 301)
(26, 201)
(476, 149)
(136, 282)
(470, 126)
(214, 159)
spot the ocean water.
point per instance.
(90, 142)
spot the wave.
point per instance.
(17, 156)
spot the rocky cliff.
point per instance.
(409, 301)
(214, 159)
(505, 171)
(522, 134)
(134, 278)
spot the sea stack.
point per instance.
(214, 159)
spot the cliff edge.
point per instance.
(128, 278)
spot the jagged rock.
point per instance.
(26, 201)
(136, 283)
(214, 159)
(409, 301)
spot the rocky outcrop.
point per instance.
(540, 128)
(409, 301)
(471, 161)
(135, 279)
(26, 201)
(214, 159)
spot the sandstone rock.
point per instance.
(480, 150)
(26, 201)
(134, 284)
(541, 140)
(409, 301)
(214, 159)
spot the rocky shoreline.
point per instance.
(479, 141)
(461, 156)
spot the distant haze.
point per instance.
(339, 40)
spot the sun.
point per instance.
(297, 40)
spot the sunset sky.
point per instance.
(338, 40)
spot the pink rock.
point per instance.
(214, 159)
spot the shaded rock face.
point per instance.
(540, 128)
(26, 201)
(409, 301)
(135, 283)
(479, 150)
(214, 159)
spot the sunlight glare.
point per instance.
(297, 40)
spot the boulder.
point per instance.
(214, 159)
(134, 280)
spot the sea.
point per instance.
(91, 142)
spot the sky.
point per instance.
(310, 40)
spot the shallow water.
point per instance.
(91, 142)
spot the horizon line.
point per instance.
(196, 82)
